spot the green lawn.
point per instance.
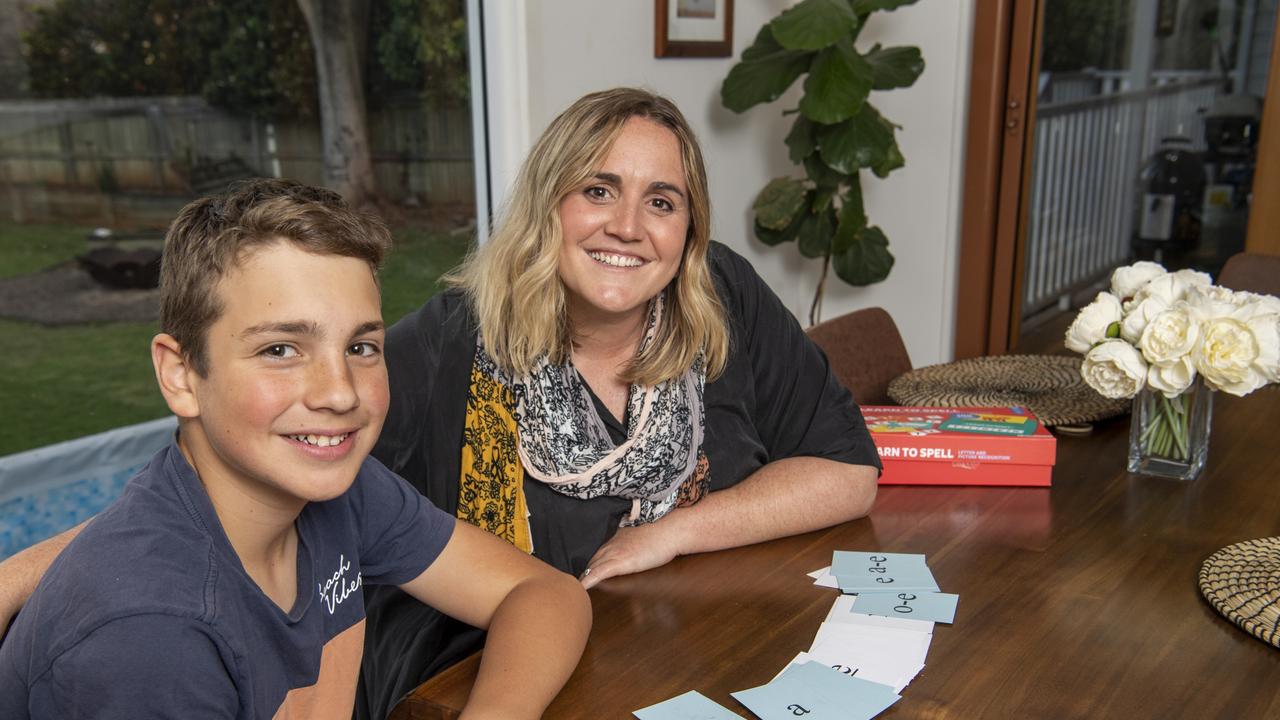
(59, 383)
(29, 248)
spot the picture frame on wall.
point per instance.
(693, 28)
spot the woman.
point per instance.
(605, 387)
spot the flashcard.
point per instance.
(938, 607)
(842, 612)
(692, 705)
(860, 572)
(896, 678)
(891, 657)
(816, 692)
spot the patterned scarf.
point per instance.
(564, 443)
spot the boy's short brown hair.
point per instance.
(210, 236)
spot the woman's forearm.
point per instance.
(21, 572)
(785, 497)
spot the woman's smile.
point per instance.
(617, 260)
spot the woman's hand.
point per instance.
(633, 550)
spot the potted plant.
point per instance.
(836, 135)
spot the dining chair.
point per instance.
(866, 352)
(1254, 272)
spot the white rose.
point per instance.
(1137, 316)
(1169, 288)
(1211, 301)
(1115, 369)
(1171, 335)
(1240, 353)
(1192, 278)
(1171, 378)
(1263, 320)
(1270, 303)
(1127, 280)
(1091, 325)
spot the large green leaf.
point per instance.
(777, 237)
(892, 161)
(895, 67)
(838, 84)
(763, 46)
(867, 260)
(853, 217)
(814, 24)
(862, 7)
(820, 174)
(777, 204)
(816, 232)
(800, 143)
(861, 141)
(766, 71)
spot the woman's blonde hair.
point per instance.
(513, 280)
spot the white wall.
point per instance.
(571, 47)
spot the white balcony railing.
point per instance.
(1085, 165)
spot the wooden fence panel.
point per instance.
(151, 146)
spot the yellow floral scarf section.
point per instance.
(491, 493)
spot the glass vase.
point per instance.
(1169, 437)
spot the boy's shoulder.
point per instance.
(146, 554)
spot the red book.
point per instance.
(961, 446)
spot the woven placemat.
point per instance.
(1242, 582)
(1049, 386)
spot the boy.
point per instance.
(226, 581)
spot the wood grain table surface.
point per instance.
(1079, 601)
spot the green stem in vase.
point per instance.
(1176, 419)
(1148, 433)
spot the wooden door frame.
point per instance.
(1263, 235)
(995, 177)
(1000, 100)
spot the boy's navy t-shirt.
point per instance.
(149, 612)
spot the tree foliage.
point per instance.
(249, 56)
(81, 48)
(420, 47)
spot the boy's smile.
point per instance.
(296, 390)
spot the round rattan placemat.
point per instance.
(1242, 582)
(1049, 386)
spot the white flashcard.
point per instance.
(824, 578)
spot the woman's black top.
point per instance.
(776, 399)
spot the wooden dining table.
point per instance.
(1076, 601)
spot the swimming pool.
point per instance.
(49, 489)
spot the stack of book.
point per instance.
(961, 446)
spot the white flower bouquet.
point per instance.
(1162, 331)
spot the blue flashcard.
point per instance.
(862, 572)
(816, 692)
(939, 607)
(692, 705)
